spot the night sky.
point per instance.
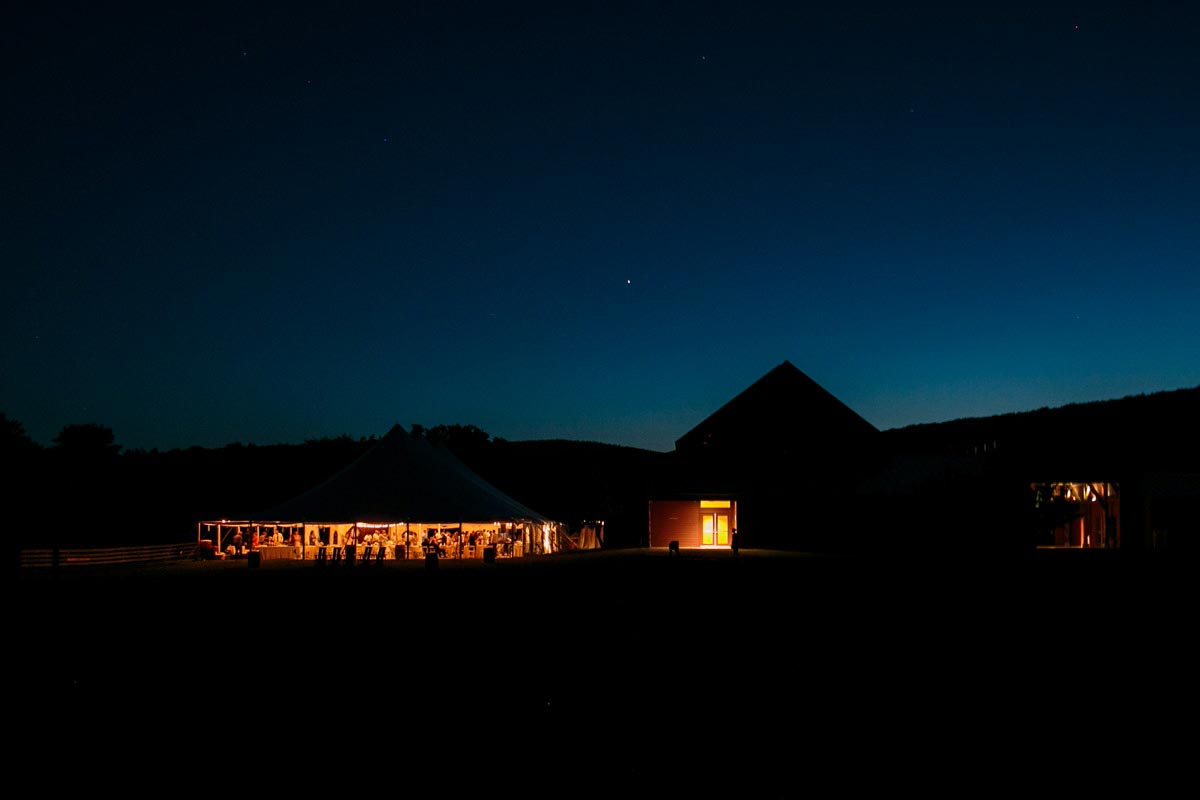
(590, 221)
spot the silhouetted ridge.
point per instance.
(1162, 426)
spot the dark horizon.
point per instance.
(229, 224)
(380, 434)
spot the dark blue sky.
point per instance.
(591, 221)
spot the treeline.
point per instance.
(1158, 431)
(86, 490)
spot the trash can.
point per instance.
(254, 558)
(350, 553)
(399, 552)
(489, 555)
(431, 561)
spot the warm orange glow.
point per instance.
(1088, 514)
(312, 538)
(714, 531)
(714, 504)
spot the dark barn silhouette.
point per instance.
(789, 453)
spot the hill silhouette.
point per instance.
(86, 490)
(1158, 430)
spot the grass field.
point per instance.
(767, 669)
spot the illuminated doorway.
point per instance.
(714, 523)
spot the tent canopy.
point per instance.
(403, 478)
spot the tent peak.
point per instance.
(404, 477)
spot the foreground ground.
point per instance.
(767, 670)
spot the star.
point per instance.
(627, 281)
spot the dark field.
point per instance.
(777, 672)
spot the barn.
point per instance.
(773, 467)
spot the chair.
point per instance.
(337, 554)
(381, 554)
(322, 556)
(366, 554)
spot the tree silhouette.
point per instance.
(459, 438)
(14, 441)
(88, 440)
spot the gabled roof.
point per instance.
(784, 407)
(403, 478)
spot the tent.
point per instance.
(401, 488)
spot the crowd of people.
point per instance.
(445, 542)
(457, 543)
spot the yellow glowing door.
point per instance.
(715, 530)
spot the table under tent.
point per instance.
(403, 498)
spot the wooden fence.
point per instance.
(76, 557)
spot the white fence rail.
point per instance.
(76, 557)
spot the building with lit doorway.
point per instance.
(775, 467)
(787, 465)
